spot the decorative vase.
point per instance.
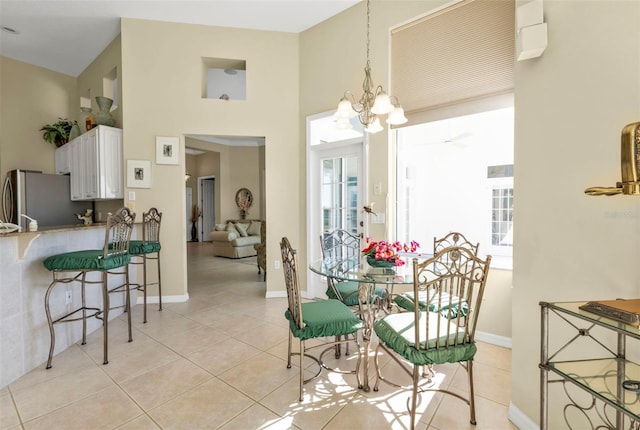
(243, 214)
(194, 232)
(379, 263)
(75, 131)
(103, 116)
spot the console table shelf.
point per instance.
(602, 378)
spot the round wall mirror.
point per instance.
(244, 198)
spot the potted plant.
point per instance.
(58, 133)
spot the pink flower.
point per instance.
(383, 250)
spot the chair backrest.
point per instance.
(151, 225)
(454, 239)
(118, 232)
(452, 284)
(290, 267)
(340, 247)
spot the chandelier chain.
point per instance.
(368, 28)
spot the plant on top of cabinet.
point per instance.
(58, 133)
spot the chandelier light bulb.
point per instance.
(345, 109)
(374, 127)
(382, 105)
(343, 123)
(396, 117)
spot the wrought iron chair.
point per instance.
(342, 248)
(420, 339)
(405, 300)
(113, 255)
(144, 250)
(314, 320)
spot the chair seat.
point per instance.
(405, 301)
(86, 260)
(349, 292)
(142, 247)
(398, 333)
(324, 318)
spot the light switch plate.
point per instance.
(132, 195)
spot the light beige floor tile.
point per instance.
(258, 376)
(193, 340)
(164, 383)
(71, 360)
(259, 417)
(491, 383)
(203, 407)
(263, 335)
(493, 355)
(8, 414)
(103, 410)
(323, 398)
(143, 422)
(453, 413)
(224, 355)
(36, 400)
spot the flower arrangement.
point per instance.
(387, 251)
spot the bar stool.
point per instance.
(113, 255)
(148, 249)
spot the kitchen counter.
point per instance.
(24, 333)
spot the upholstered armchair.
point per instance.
(261, 249)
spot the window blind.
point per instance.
(463, 53)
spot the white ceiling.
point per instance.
(66, 36)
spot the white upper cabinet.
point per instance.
(96, 164)
(62, 160)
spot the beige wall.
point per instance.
(161, 96)
(31, 97)
(571, 105)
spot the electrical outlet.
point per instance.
(68, 297)
(276, 264)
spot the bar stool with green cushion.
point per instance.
(316, 319)
(113, 255)
(148, 249)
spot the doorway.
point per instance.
(207, 187)
(335, 185)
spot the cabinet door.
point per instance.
(111, 164)
(76, 169)
(62, 159)
(90, 161)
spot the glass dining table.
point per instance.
(368, 279)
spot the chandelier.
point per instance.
(373, 102)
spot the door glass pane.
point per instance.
(340, 194)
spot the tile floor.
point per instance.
(218, 361)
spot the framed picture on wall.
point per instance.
(138, 173)
(167, 150)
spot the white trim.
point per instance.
(494, 339)
(520, 420)
(165, 299)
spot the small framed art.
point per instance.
(167, 150)
(138, 173)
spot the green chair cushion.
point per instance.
(405, 301)
(349, 292)
(141, 247)
(397, 332)
(86, 260)
(324, 318)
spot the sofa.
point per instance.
(236, 238)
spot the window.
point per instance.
(456, 174)
(224, 79)
(340, 194)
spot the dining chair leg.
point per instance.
(127, 296)
(472, 402)
(289, 351)
(83, 294)
(301, 367)
(414, 395)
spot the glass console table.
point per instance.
(612, 406)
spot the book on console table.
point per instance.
(624, 310)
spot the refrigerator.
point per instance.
(43, 197)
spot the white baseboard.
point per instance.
(493, 339)
(165, 299)
(520, 420)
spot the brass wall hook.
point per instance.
(630, 165)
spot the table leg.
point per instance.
(369, 306)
